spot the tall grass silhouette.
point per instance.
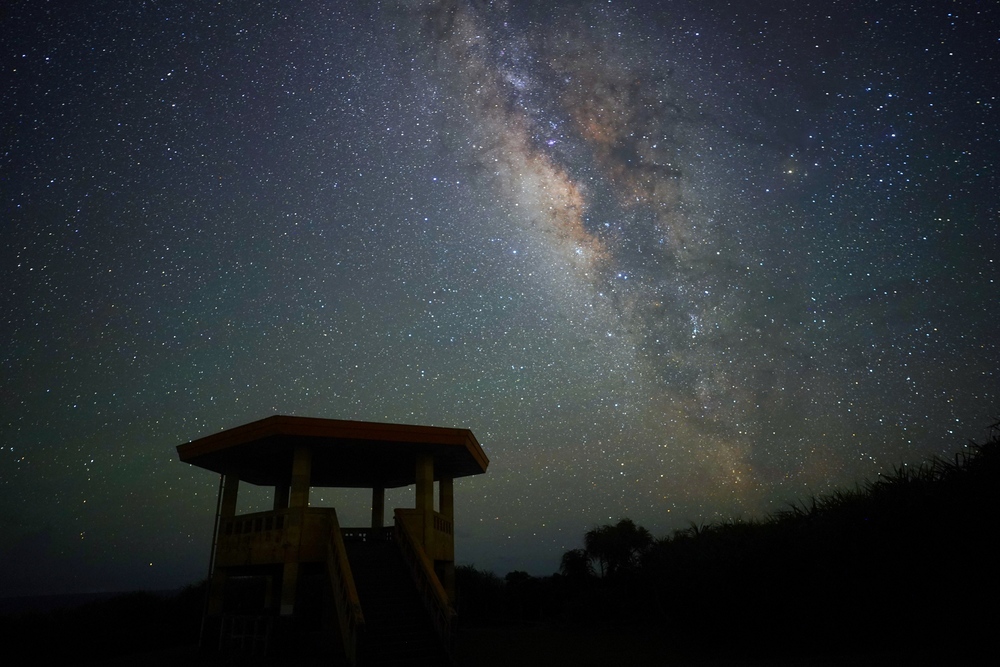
(887, 566)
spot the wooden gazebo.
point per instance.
(294, 454)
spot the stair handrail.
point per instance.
(345, 593)
(422, 570)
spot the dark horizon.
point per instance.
(797, 587)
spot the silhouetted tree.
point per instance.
(576, 565)
(617, 548)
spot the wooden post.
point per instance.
(447, 549)
(227, 510)
(281, 497)
(298, 501)
(425, 499)
(378, 507)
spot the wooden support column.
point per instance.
(425, 499)
(297, 502)
(230, 490)
(378, 507)
(281, 497)
(446, 489)
(227, 510)
(301, 477)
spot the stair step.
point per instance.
(399, 629)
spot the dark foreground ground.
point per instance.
(531, 647)
(528, 647)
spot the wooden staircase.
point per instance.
(398, 627)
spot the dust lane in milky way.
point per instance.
(578, 121)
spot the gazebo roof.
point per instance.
(344, 453)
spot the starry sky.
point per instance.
(678, 261)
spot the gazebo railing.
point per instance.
(422, 570)
(345, 594)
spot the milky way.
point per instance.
(672, 261)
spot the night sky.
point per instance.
(676, 261)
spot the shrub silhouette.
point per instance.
(891, 563)
(577, 566)
(618, 548)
